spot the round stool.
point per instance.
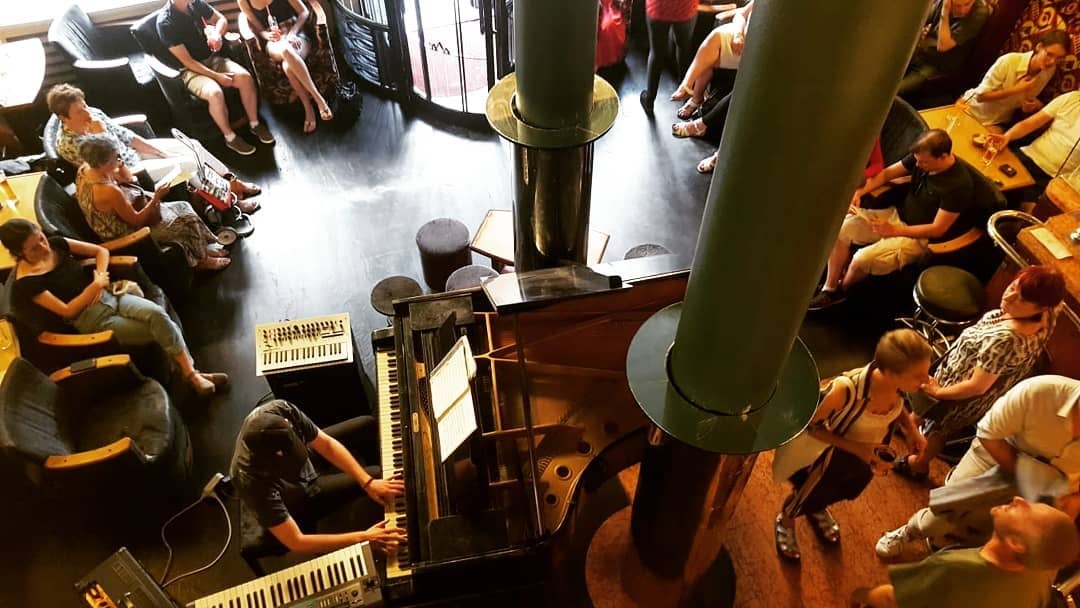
(393, 288)
(444, 247)
(947, 299)
(469, 276)
(645, 250)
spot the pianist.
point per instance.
(276, 478)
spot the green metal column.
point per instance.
(814, 86)
(555, 48)
(722, 375)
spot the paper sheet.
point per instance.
(451, 397)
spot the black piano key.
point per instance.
(345, 572)
(303, 587)
(322, 582)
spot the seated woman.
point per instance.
(280, 23)
(987, 359)
(846, 443)
(114, 205)
(49, 278)
(722, 48)
(155, 156)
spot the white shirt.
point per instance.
(1004, 74)
(1051, 149)
(1035, 417)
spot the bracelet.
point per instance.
(368, 483)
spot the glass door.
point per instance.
(458, 49)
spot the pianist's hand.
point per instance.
(384, 490)
(385, 537)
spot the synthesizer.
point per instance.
(303, 344)
(345, 578)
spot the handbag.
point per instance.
(347, 104)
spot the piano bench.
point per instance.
(256, 542)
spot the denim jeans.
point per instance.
(133, 321)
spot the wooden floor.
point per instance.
(340, 213)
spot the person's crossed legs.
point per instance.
(879, 256)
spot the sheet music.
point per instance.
(451, 397)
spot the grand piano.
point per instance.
(555, 415)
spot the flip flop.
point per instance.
(212, 263)
(249, 205)
(309, 126)
(217, 378)
(327, 114)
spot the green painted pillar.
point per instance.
(723, 376)
(555, 49)
(812, 92)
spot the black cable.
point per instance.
(168, 561)
(228, 541)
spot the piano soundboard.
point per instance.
(345, 578)
(303, 344)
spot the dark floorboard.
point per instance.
(340, 212)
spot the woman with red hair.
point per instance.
(987, 359)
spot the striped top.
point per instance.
(671, 10)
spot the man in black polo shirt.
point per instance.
(938, 205)
(946, 42)
(192, 30)
(273, 474)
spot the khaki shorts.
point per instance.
(202, 86)
(880, 255)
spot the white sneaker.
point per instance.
(892, 544)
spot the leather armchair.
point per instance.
(91, 426)
(108, 64)
(273, 85)
(903, 125)
(59, 214)
(63, 171)
(51, 344)
(189, 113)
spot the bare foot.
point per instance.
(217, 251)
(213, 263)
(218, 379)
(203, 386)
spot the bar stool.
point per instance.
(393, 288)
(469, 276)
(645, 250)
(947, 299)
(444, 247)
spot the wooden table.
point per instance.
(962, 132)
(1064, 346)
(25, 186)
(9, 346)
(495, 239)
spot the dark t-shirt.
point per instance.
(265, 493)
(281, 9)
(962, 578)
(951, 190)
(66, 281)
(176, 27)
(964, 30)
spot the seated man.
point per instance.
(274, 476)
(1015, 81)
(1014, 568)
(945, 44)
(939, 204)
(156, 157)
(1051, 153)
(192, 30)
(1040, 417)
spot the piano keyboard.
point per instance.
(345, 578)
(302, 344)
(390, 439)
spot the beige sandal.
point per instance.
(687, 110)
(203, 386)
(707, 165)
(690, 128)
(213, 263)
(681, 93)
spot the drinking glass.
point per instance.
(7, 194)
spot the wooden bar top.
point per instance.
(25, 187)
(1032, 249)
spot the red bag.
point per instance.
(611, 39)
